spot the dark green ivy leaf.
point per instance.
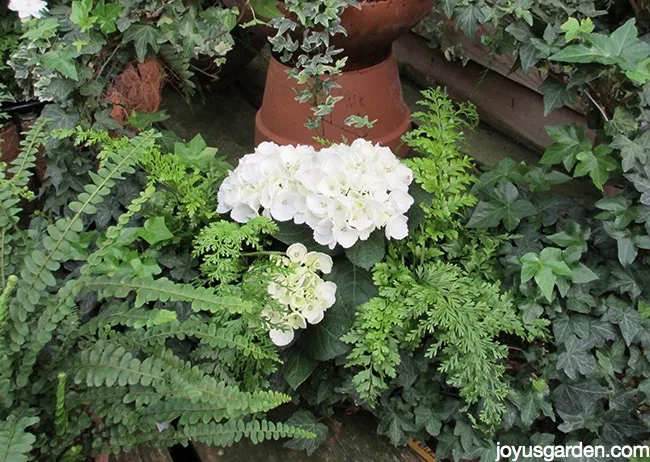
(306, 421)
(505, 206)
(576, 358)
(142, 36)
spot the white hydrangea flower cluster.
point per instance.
(302, 290)
(343, 193)
(28, 8)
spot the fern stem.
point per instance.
(261, 253)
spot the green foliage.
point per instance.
(222, 245)
(583, 268)
(317, 66)
(73, 54)
(437, 298)
(307, 421)
(139, 347)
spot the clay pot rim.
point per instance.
(358, 69)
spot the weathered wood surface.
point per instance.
(502, 103)
(351, 439)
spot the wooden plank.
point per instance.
(486, 145)
(351, 439)
(505, 105)
(474, 50)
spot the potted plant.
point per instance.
(365, 73)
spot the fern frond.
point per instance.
(15, 441)
(21, 166)
(215, 434)
(62, 237)
(162, 289)
(122, 314)
(108, 364)
(210, 335)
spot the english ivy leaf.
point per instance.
(366, 254)
(625, 316)
(155, 230)
(505, 206)
(142, 36)
(529, 57)
(578, 397)
(563, 328)
(623, 123)
(395, 421)
(576, 54)
(468, 18)
(506, 170)
(581, 274)
(306, 421)
(545, 268)
(620, 428)
(267, 9)
(571, 28)
(80, 14)
(600, 331)
(65, 65)
(644, 309)
(634, 152)
(297, 368)
(542, 178)
(570, 422)
(107, 15)
(598, 164)
(521, 31)
(46, 29)
(612, 359)
(556, 95)
(641, 72)
(432, 417)
(574, 235)
(568, 142)
(448, 7)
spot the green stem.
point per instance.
(261, 253)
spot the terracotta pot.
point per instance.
(370, 29)
(375, 91)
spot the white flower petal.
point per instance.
(297, 252)
(397, 228)
(281, 337)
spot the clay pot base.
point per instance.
(375, 91)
